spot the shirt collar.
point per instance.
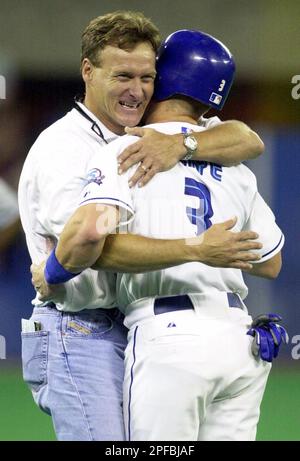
(107, 134)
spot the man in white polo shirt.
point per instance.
(73, 347)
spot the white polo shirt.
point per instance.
(52, 178)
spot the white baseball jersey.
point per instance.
(189, 374)
(9, 211)
(182, 203)
(52, 178)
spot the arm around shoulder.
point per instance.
(253, 142)
(228, 143)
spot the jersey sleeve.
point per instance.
(105, 186)
(262, 221)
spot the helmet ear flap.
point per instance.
(196, 65)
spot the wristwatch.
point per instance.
(191, 145)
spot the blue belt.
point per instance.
(183, 302)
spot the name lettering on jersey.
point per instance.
(214, 169)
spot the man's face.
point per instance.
(119, 91)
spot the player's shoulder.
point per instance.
(58, 142)
(108, 158)
(246, 171)
(118, 145)
(244, 175)
(61, 132)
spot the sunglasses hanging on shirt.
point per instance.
(95, 127)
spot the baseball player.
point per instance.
(189, 370)
(72, 347)
(190, 373)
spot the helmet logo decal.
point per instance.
(222, 84)
(216, 98)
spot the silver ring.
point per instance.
(144, 168)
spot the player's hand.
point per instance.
(154, 152)
(45, 292)
(220, 247)
(268, 336)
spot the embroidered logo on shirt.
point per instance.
(96, 176)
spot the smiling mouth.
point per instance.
(130, 105)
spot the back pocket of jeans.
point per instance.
(35, 358)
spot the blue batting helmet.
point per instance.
(194, 64)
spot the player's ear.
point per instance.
(87, 70)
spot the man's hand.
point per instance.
(227, 143)
(45, 292)
(220, 247)
(155, 152)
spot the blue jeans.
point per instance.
(74, 367)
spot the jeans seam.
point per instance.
(73, 383)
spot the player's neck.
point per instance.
(165, 112)
(177, 118)
(171, 111)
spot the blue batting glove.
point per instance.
(268, 336)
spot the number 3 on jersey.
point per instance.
(200, 216)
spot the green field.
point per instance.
(20, 419)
